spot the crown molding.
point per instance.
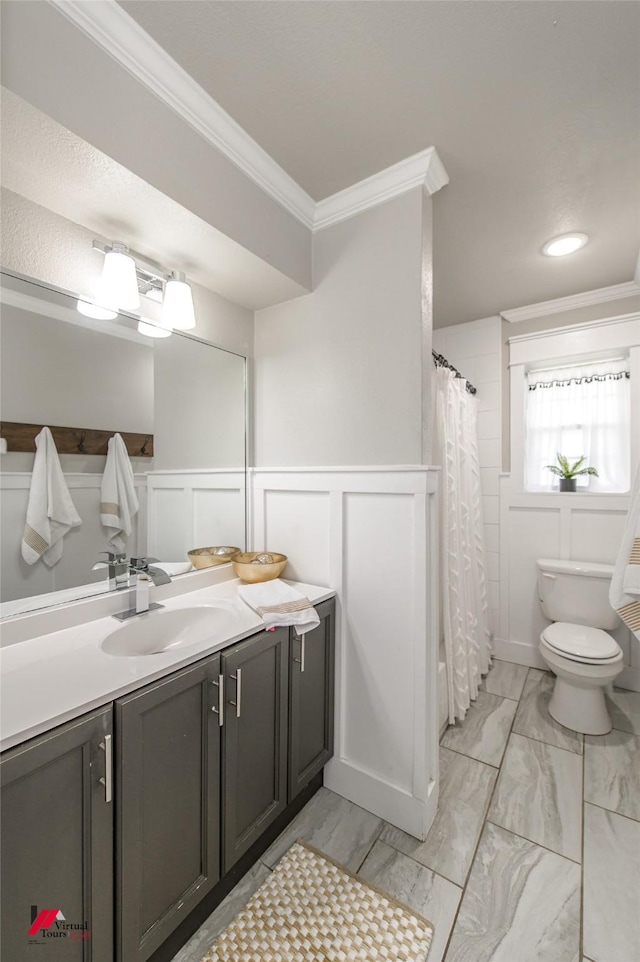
(424, 169)
(579, 328)
(107, 24)
(587, 299)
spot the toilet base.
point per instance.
(580, 709)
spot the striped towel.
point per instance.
(278, 603)
(118, 498)
(624, 593)
(50, 512)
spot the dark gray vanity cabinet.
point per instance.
(57, 844)
(168, 808)
(254, 754)
(311, 698)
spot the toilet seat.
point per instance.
(581, 643)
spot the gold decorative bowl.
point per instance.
(255, 566)
(208, 557)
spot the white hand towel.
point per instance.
(624, 593)
(50, 512)
(118, 498)
(279, 604)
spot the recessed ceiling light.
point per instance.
(565, 244)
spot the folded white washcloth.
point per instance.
(279, 604)
(118, 498)
(50, 512)
(624, 593)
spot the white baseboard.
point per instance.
(518, 652)
(388, 802)
(629, 679)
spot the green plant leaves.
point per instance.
(566, 470)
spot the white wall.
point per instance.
(474, 349)
(370, 533)
(199, 406)
(339, 373)
(62, 374)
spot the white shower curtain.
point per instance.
(464, 609)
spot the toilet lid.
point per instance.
(581, 641)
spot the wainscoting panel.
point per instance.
(367, 532)
(302, 518)
(195, 509)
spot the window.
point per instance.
(581, 409)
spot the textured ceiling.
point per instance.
(534, 107)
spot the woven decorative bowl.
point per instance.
(208, 557)
(255, 566)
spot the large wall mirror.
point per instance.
(178, 401)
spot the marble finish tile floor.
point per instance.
(504, 874)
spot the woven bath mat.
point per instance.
(312, 910)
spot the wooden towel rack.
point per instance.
(21, 437)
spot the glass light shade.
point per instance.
(119, 284)
(153, 329)
(89, 309)
(565, 244)
(177, 307)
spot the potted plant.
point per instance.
(569, 472)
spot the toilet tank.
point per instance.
(577, 592)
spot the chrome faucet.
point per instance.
(143, 573)
(118, 569)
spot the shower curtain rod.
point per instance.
(441, 361)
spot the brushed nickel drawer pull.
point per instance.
(300, 660)
(238, 680)
(220, 709)
(107, 781)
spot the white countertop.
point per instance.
(53, 678)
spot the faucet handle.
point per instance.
(141, 564)
(114, 557)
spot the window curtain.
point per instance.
(464, 611)
(579, 410)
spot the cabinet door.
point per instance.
(168, 830)
(312, 659)
(254, 759)
(57, 844)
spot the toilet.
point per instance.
(583, 656)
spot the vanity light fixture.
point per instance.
(564, 244)
(177, 306)
(119, 284)
(125, 277)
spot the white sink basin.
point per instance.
(162, 631)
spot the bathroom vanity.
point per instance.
(137, 817)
